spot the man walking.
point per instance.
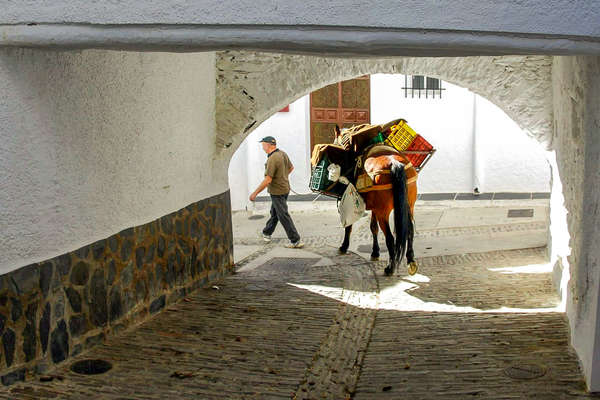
(277, 169)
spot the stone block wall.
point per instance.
(53, 310)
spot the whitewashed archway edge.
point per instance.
(253, 86)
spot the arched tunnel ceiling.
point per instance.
(253, 86)
(341, 27)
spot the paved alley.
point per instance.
(312, 324)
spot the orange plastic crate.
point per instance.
(419, 144)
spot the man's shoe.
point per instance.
(266, 238)
(296, 245)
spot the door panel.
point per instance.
(346, 104)
(322, 132)
(327, 97)
(349, 94)
(349, 115)
(362, 117)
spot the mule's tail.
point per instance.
(403, 224)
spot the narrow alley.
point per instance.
(312, 324)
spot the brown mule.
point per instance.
(395, 188)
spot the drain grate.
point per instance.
(520, 213)
(91, 367)
(525, 371)
(290, 263)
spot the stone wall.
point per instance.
(53, 310)
(576, 82)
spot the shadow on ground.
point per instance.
(319, 325)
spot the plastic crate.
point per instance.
(377, 139)
(318, 179)
(418, 144)
(401, 136)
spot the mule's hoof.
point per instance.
(373, 258)
(388, 271)
(413, 267)
(342, 251)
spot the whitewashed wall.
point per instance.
(446, 123)
(94, 142)
(507, 159)
(576, 85)
(511, 160)
(389, 27)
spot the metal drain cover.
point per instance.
(91, 367)
(256, 216)
(290, 263)
(525, 371)
(521, 213)
(366, 248)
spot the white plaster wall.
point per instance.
(508, 159)
(532, 16)
(439, 28)
(93, 142)
(446, 123)
(512, 160)
(576, 84)
(238, 178)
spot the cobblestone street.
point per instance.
(312, 324)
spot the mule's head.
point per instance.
(337, 135)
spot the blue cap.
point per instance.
(268, 139)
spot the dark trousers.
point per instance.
(279, 213)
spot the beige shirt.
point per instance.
(278, 167)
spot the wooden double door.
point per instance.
(344, 103)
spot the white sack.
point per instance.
(351, 207)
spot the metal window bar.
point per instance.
(421, 83)
(433, 84)
(418, 82)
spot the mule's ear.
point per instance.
(337, 130)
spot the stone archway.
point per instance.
(253, 86)
(551, 98)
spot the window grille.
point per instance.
(422, 86)
(418, 82)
